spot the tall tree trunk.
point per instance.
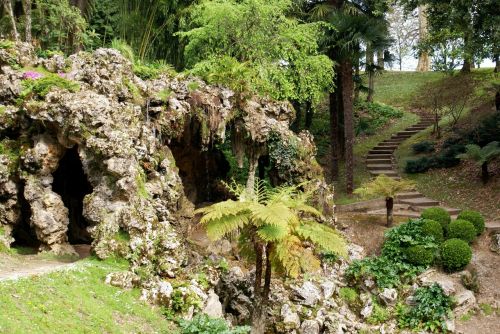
(380, 59)
(485, 175)
(27, 14)
(371, 72)
(8, 8)
(423, 30)
(258, 322)
(358, 78)
(267, 277)
(347, 92)
(389, 205)
(334, 129)
(468, 61)
(309, 115)
(497, 63)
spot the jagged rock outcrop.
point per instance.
(139, 144)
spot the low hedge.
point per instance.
(475, 218)
(455, 254)
(462, 229)
(438, 214)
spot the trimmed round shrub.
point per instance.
(438, 214)
(455, 254)
(462, 229)
(475, 218)
(434, 229)
(419, 255)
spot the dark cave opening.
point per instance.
(201, 172)
(71, 183)
(24, 235)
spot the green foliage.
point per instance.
(434, 229)
(254, 46)
(351, 297)
(475, 218)
(419, 255)
(455, 254)
(384, 186)
(125, 49)
(57, 25)
(181, 301)
(446, 158)
(369, 116)
(379, 315)
(273, 216)
(283, 154)
(462, 229)
(430, 312)
(39, 88)
(203, 324)
(6, 44)
(423, 147)
(481, 155)
(438, 214)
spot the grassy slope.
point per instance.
(392, 88)
(76, 301)
(459, 186)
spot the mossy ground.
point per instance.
(77, 301)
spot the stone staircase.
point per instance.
(380, 160)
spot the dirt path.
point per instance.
(14, 266)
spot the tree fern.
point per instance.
(323, 236)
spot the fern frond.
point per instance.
(217, 229)
(288, 253)
(219, 210)
(323, 236)
(276, 214)
(272, 233)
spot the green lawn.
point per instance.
(77, 301)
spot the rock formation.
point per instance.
(90, 152)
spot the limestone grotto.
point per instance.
(92, 154)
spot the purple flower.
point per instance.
(61, 75)
(32, 75)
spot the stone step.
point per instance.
(378, 156)
(420, 202)
(406, 132)
(380, 151)
(417, 128)
(379, 161)
(379, 167)
(384, 144)
(492, 227)
(408, 195)
(402, 137)
(388, 172)
(392, 141)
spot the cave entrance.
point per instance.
(71, 183)
(24, 235)
(201, 172)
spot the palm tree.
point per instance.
(387, 187)
(273, 223)
(482, 156)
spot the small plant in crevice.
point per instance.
(37, 85)
(470, 280)
(203, 324)
(351, 297)
(379, 314)
(432, 308)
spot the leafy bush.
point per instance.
(399, 238)
(445, 159)
(434, 229)
(475, 218)
(203, 324)
(455, 254)
(420, 255)
(423, 147)
(462, 229)
(40, 87)
(371, 116)
(431, 308)
(438, 214)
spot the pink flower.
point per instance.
(32, 75)
(61, 75)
